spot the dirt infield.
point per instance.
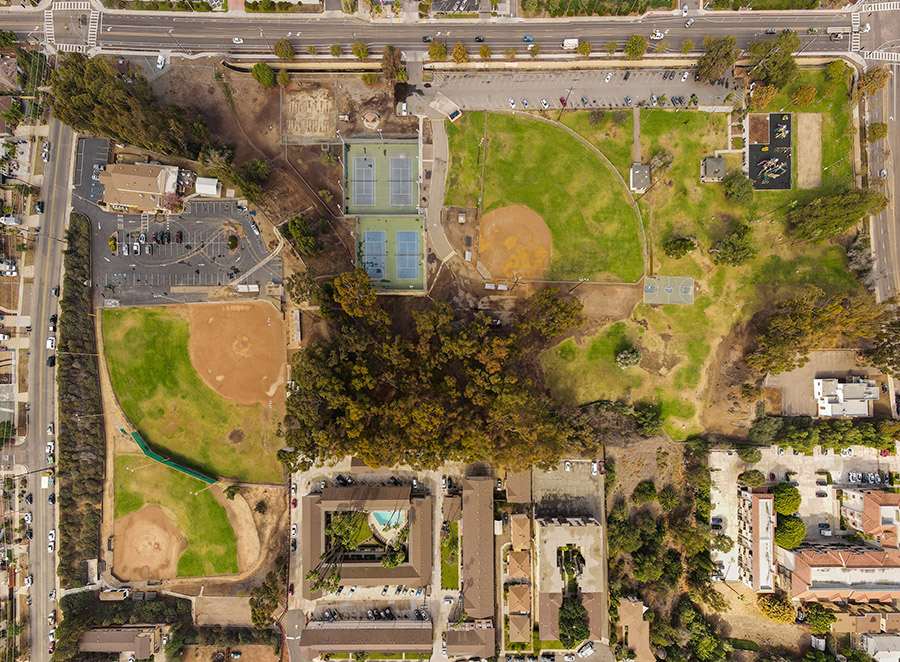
(150, 545)
(809, 150)
(515, 241)
(759, 129)
(238, 349)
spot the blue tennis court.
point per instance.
(375, 253)
(407, 254)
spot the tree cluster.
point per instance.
(772, 60)
(787, 499)
(804, 95)
(677, 247)
(266, 597)
(832, 215)
(91, 96)
(789, 532)
(736, 247)
(303, 234)
(819, 618)
(573, 627)
(811, 319)
(284, 49)
(720, 53)
(873, 80)
(776, 607)
(646, 416)
(81, 447)
(752, 478)
(392, 64)
(738, 188)
(447, 390)
(264, 75)
(644, 492)
(804, 433)
(628, 358)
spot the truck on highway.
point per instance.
(845, 29)
(570, 44)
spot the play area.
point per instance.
(515, 242)
(392, 251)
(381, 177)
(769, 152)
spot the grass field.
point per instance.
(678, 343)
(211, 548)
(175, 411)
(594, 228)
(450, 559)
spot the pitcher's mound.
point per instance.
(147, 545)
(515, 241)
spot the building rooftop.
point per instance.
(518, 487)
(519, 565)
(478, 546)
(138, 186)
(639, 177)
(520, 531)
(140, 640)
(471, 639)
(712, 169)
(846, 573)
(519, 627)
(518, 598)
(401, 636)
(836, 398)
(548, 615)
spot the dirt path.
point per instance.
(809, 150)
(241, 520)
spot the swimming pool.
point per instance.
(387, 519)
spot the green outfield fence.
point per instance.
(159, 458)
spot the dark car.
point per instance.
(716, 527)
(54, 318)
(290, 589)
(479, 39)
(562, 100)
(29, 534)
(55, 291)
(427, 38)
(627, 75)
(39, 207)
(51, 499)
(293, 544)
(505, 519)
(29, 499)
(178, 237)
(51, 361)
(155, 237)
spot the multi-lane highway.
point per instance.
(216, 33)
(41, 380)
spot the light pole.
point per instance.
(171, 34)
(204, 489)
(381, 134)
(263, 37)
(580, 282)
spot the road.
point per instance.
(215, 33)
(883, 107)
(41, 379)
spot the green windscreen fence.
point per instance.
(153, 455)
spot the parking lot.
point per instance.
(90, 152)
(492, 91)
(820, 504)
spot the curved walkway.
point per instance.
(584, 141)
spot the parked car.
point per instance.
(512, 102)
(293, 530)
(290, 590)
(544, 104)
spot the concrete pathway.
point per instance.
(636, 147)
(433, 226)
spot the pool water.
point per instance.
(387, 519)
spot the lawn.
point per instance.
(211, 546)
(450, 559)
(594, 228)
(173, 408)
(679, 342)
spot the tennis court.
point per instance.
(381, 177)
(392, 251)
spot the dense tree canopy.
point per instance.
(635, 47)
(738, 188)
(777, 607)
(772, 60)
(678, 247)
(720, 53)
(789, 532)
(90, 95)
(819, 618)
(573, 628)
(787, 499)
(736, 247)
(752, 478)
(811, 319)
(873, 80)
(749, 454)
(886, 352)
(447, 389)
(832, 215)
(284, 49)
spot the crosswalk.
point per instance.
(71, 5)
(886, 56)
(72, 48)
(48, 25)
(93, 28)
(854, 35)
(882, 6)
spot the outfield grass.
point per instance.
(173, 408)
(211, 544)
(594, 228)
(678, 342)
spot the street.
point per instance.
(41, 380)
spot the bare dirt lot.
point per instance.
(154, 545)
(744, 621)
(237, 348)
(809, 144)
(248, 654)
(759, 129)
(309, 111)
(515, 241)
(222, 611)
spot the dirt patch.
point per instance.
(604, 302)
(309, 111)
(147, 545)
(248, 654)
(744, 621)
(222, 611)
(809, 144)
(241, 520)
(759, 129)
(238, 350)
(515, 241)
(236, 436)
(725, 411)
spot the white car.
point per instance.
(608, 77)
(594, 467)
(51, 342)
(51, 535)
(160, 61)
(512, 102)
(293, 531)
(136, 248)
(293, 489)
(254, 227)
(544, 104)
(28, 518)
(586, 650)
(52, 595)
(50, 547)
(352, 591)
(237, 40)
(684, 76)
(688, 23)
(684, 10)
(45, 157)
(525, 103)
(568, 466)
(50, 429)
(125, 251)
(29, 580)
(49, 448)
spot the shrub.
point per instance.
(628, 358)
(876, 131)
(787, 499)
(232, 242)
(635, 47)
(644, 492)
(790, 532)
(752, 478)
(264, 74)
(819, 618)
(736, 247)
(360, 50)
(336, 50)
(371, 79)
(584, 49)
(509, 53)
(750, 455)
(596, 116)
(460, 53)
(738, 188)
(284, 78)
(485, 52)
(437, 51)
(776, 607)
(668, 498)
